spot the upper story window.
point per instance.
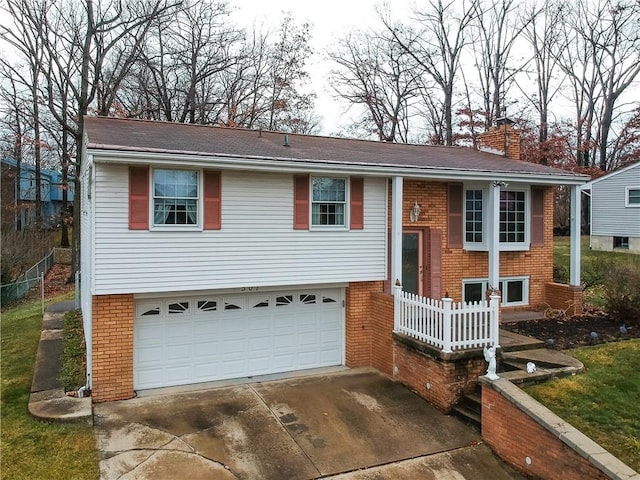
(474, 217)
(633, 197)
(175, 197)
(328, 202)
(514, 219)
(512, 216)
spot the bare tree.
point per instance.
(28, 39)
(497, 26)
(175, 77)
(437, 45)
(544, 37)
(375, 72)
(601, 59)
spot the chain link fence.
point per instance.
(11, 292)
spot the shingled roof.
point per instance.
(152, 137)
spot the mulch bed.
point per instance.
(570, 332)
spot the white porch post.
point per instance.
(494, 235)
(396, 248)
(576, 217)
(396, 230)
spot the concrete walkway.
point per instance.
(47, 400)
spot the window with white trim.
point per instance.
(474, 216)
(514, 218)
(176, 197)
(514, 290)
(633, 197)
(328, 201)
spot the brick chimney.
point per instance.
(502, 139)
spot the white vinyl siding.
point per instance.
(257, 245)
(610, 215)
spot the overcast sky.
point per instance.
(330, 19)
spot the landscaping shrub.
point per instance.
(594, 271)
(73, 370)
(622, 291)
(560, 273)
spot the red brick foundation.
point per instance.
(526, 445)
(382, 337)
(441, 382)
(564, 297)
(112, 347)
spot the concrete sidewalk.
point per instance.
(48, 400)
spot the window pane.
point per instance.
(473, 209)
(175, 197)
(329, 189)
(328, 201)
(512, 216)
(515, 292)
(634, 196)
(473, 292)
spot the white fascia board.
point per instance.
(327, 166)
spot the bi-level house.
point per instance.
(212, 253)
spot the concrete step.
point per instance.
(468, 415)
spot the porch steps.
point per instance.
(514, 342)
(469, 408)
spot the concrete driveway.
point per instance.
(355, 424)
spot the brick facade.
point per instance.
(382, 327)
(526, 445)
(441, 382)
(358, 323)
(564, 297)
(112, 347)
(458, 264)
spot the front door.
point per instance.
(412, 262)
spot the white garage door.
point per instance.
(195, 339)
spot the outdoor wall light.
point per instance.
(414, 214)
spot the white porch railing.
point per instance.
(446, 324)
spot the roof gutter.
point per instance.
(234, 162)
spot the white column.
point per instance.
(396, 230)
(493, 235)
(576, 217)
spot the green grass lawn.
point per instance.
(602, 402)
(32, 449)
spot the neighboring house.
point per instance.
(213, 253)
(615, 210)
(23, 213)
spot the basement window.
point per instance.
(621, 242)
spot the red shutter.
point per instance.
(212, 200)
(301, 202)
(537, 217)
(455, 215)
(138, 198)
(356, 196)
(435, 263)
